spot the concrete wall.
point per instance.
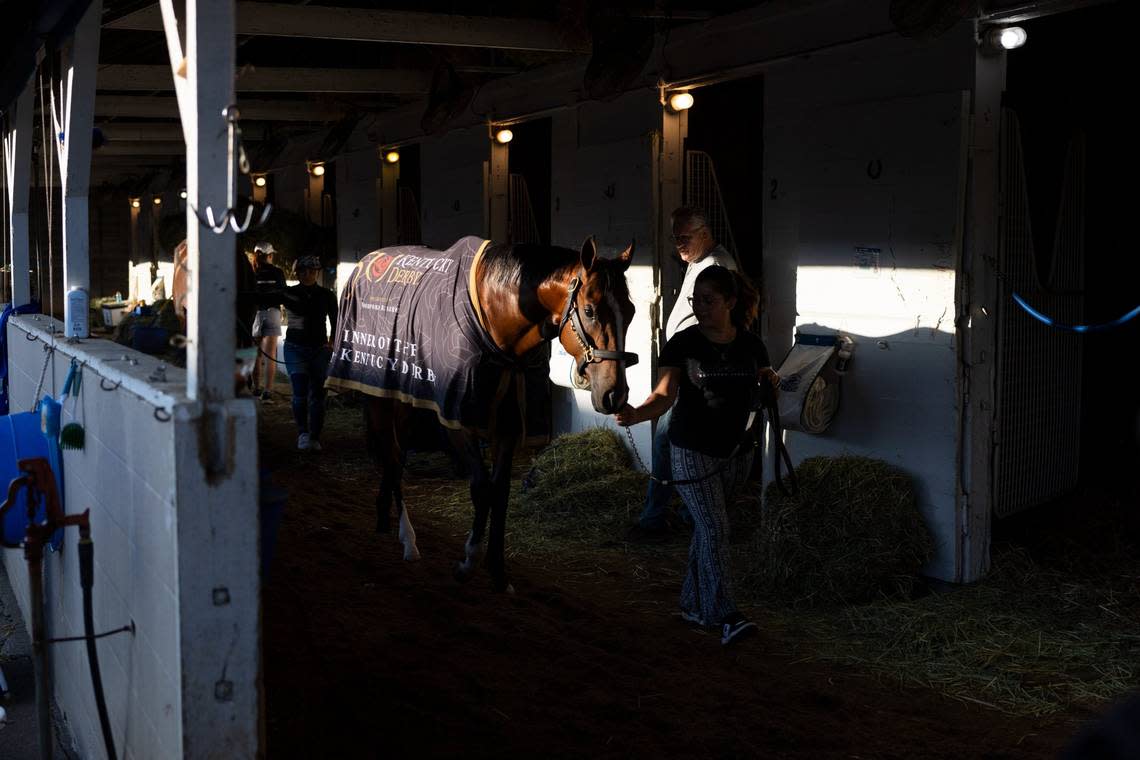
(602, 185)
(864, 149)
(134, 474)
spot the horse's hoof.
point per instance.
(411, 555)
(503, 588)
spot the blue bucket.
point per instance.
(21, 437)
(150, 340)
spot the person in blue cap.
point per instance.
(311, 313)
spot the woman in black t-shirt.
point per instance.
(308, 349)
(712, 371)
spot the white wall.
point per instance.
(831, 122)
(357, 210)
(452, 186)
(136, 476)
(602, 185)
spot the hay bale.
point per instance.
(581, 477)
(852, 533)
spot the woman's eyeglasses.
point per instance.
(709, 300)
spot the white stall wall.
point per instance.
(126, 476)
(602, 185)
(357, 210)
(865, 151)
(452, 186)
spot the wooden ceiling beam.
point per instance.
(251, 110)
(266, 79)
(371, 25)
(162, 132)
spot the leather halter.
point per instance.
(591, 354)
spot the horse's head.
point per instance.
(597, 312)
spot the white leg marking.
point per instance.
(473, 552)
(407, 536)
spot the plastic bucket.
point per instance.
(22, 438)
(150, 340)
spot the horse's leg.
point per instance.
(382, 418)
(406, 533)
(500, 494)
(378, 419)
(466, 445)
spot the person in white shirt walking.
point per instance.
(698, 250)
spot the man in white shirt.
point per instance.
(698, 249)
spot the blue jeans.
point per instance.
(307, 367)
(657, 496)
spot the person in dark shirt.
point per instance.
(308, 349)
(712, 372)
(267, 323)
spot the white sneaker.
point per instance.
(314, 445)
(303, 443)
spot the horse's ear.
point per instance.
(625, 258)
(589, 254)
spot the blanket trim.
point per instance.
(472, 286)
(338, 383)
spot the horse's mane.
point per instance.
(509, 266)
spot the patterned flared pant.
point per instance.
(707, 590)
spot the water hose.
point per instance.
(87, 582)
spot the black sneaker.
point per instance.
(643, 534)
(736, 630)
(266, 396)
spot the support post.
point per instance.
(215, 438)
(389, 202)
(18, 168)
(211, 256)
(671, 174)
(499, 190)
(73, 124)
(314, 198)
(979, 315)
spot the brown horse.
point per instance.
(528, 294)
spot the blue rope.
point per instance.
(1074, 328)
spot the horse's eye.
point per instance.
(588, 310)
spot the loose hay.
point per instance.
(1026, 640)
(583, 485)
(852, 533)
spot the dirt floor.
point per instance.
(369, 656)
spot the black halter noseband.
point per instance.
(591, 354)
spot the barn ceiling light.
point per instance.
(260, 180)
(182, 195)
(135, 203)
(681, 101)
(316, 168)
(392, 156)
(504, 136)
(1001, 38)
(157, 201)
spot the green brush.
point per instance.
(73, 436)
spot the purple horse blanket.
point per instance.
(410, 328)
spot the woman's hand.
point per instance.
(769, 374)
(626, 416)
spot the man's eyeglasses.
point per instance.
(685, 239)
